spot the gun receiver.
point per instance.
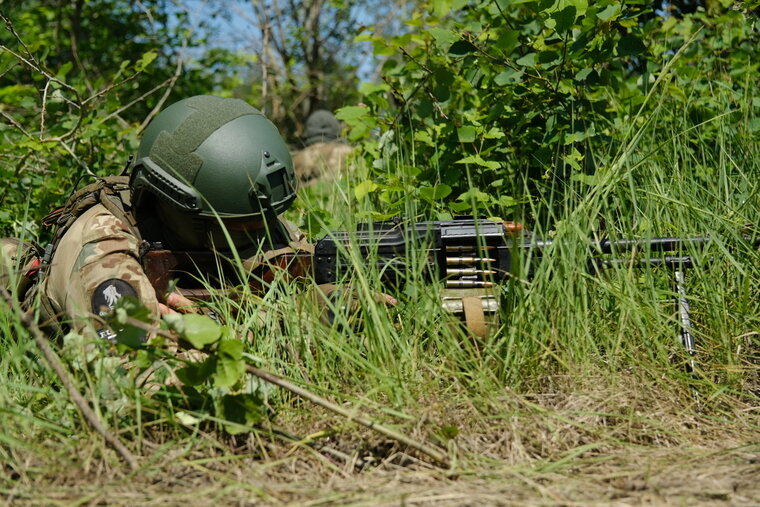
(465, 252)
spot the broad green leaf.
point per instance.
(201, 330)
(351, 113)
(441, 7)
(444, 38)
(610, 12)
(364, 188)
(194, 374)
(435, 193)
(466, 134)
(582, 74)
(474, 194)
(494, 133)
(230, 365)
(563, 20)
(528, 60)
(458, 207)
(507, 77)
(630, 45)
(175, 322)
(423, 136)
(231, 348)
(370, 88)
(461, 48)
(241, 411)
(507, 40)
(507, 201)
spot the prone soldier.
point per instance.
(324, 156)
(211, 175)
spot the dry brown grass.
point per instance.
(617, 442)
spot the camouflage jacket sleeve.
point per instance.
(95, 263)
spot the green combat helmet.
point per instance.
(321, 127)
(208, 157)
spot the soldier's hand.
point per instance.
(177, 303)
(385, 299)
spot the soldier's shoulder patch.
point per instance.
(105, 295)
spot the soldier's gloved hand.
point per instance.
(177, 303)
(386, 299)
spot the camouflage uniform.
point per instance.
(95, 263)
(324, 155)
(323, 161)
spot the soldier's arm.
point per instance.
(96, 264)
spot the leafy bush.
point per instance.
(486, 102)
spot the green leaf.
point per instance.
(230, 365)
(201, 330)
(351, 113)
(494, 133)
(231, 349)
(242, 411)
(435, 193)
(478, 160)
(507, 201)
(630, 45)
(474, 194)
(462, 48)
(507, 40)
(443, 38)
(562, 20)
(424, 137)
(175, 322)
(147, 59)
(582, 74)
(507, 77)
(458, 207)
(194, 374)
(364, 188)
(441, 7)
(609, 13)
(528, 60)
(466, 134)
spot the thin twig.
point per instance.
(434, 452)
(76, 397)
(169, 87)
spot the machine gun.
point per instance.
(469, 255)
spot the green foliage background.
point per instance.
(488, 102)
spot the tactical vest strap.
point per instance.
(110, 191)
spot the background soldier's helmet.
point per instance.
(209, 156)
(321, 127)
